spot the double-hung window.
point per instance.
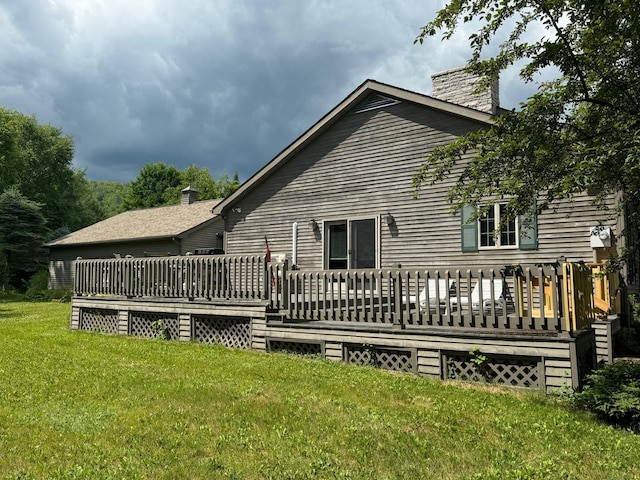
(507, 236)
(488, 232)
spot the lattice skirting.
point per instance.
(99, 320)
(230, 332)
(296, 348)
(516, 372)
(381, 357)
(154, 325)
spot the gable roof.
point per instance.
(383, 92)
(146, 224)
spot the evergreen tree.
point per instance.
(22, 233)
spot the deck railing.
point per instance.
(203, 277)
(551, 298)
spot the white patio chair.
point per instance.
(476, 303)
(444, 286)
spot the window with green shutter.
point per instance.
(481, 234)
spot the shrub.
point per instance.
(38, 282)
(629, 336)
(613, 393)
(11, 295)
(37, 289)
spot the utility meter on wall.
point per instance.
(600, 236)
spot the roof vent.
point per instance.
(189, 196)
(375, 101)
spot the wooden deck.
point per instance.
(428, 321)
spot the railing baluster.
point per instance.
(397, 298)
(305, 295)
(447, 309)
(346, 309)
(316, 295)
(555, 301)
(331, 287)
(369, 286)
(295, 293)
(429, 313)
(540, 323)
(325, 292)
(468, 306)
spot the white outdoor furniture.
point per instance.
(436, 292)
(488, 294)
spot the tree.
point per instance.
(152, 187)
(86, 210)
(579, 133)
(22, 233)
(207, 187)
(36, 160)
(198, 178)
(226, 187)
(158, 184)
(110, 196)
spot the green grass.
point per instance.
(77, 405)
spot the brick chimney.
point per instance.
(456, 85)
(189, 195)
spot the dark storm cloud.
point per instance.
(224, 85)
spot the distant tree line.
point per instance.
(158, 184)
(43, 197)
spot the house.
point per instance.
(346, 183)
(160, 231)
(328, 252)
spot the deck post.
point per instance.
(185, 328)
(123, 322)
(283, 281)
(75, 318)
(269, 280)
(398, 321)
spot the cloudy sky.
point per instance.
(223, 84)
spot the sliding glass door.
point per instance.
(350, 244)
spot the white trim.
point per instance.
(497, 246)
(333, 221)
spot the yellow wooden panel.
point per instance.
(534, 291)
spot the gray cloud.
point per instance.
(223, 84)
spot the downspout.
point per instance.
(294, 253)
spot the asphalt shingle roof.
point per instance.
(159, 222)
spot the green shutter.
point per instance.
(528, 231)
(468, 229)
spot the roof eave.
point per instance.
(118, 240)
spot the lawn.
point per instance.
(79, 405)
